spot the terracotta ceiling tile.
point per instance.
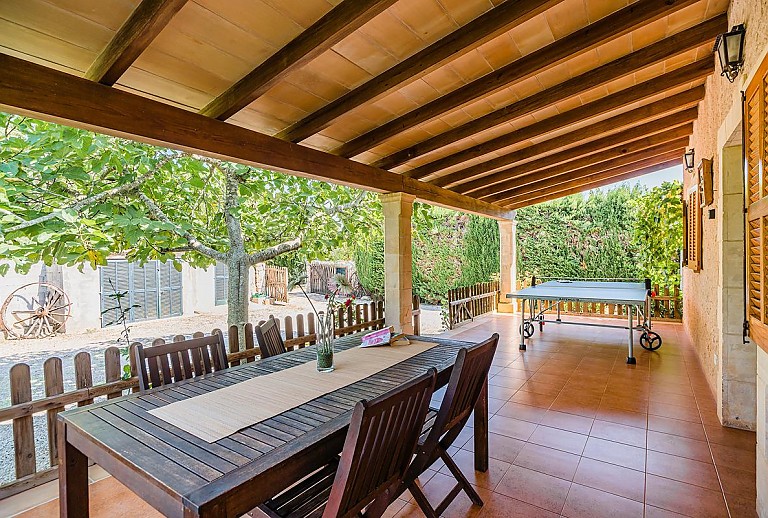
(260, 19)
(621, 83)
(532, 35)
(649, 33)
(278, 109)
(566, 17)
(593, 94)
(187, 74)
(715, 7)
(319, 84)
(582, 63)
(681, 59)
(391, 34)
(455, 118)
(546, 113)
(261, 122)
(462, 12)
(649, 72)
(500, 51)
(553, 76)
(502, 98)
(477, 109)
(339, 68)
(321, 142)
(303, 12)
(444, 80)
(568, 104)
(471, 66)
(615, 49)
(364, 52)
(687, 17)
(426, 18)
(597, 9)
(419, 91)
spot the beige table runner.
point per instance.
(221, 413)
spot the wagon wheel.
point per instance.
(35, 310)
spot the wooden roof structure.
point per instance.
(480, 105)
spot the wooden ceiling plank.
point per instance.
(626, 138)
(553, 194)
(617, 24)
(481, 30)
(466, 180)
(37, 91)
(684, 75)
(594, 170)
(333, 27)
(522, 179)
(655, 53)
(147, 20)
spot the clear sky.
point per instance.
(655, 179)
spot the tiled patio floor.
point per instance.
(576, 432)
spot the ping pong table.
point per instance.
(547, 296)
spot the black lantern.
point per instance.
(730, 50)
(688, 160)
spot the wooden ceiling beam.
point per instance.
(623, 139)
(612, 26)
(470, 178)
(680, 77)
(147, 20)
(567, 179)
(334, 26)
(480, 30)
(677, 44)
(540, 170)
(594, 184)
(37, 91)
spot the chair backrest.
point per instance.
(464, 388)
(165, 363)
(269, 339)
(380, 443)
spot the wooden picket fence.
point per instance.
(298, 330)
(467, 302)
(666, 304)
(276, 283)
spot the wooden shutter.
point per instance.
(756, 143)
(692, 239)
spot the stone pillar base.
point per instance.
(506, 307)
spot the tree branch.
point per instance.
(194, 244)
(273, 251)
(79, 205)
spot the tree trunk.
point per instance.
(238, 294)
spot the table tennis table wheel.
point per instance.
(528, 328)
(650, 341)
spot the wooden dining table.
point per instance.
(182, 475)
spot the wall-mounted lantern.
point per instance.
(688, 157)
(730, 50)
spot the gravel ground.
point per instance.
(35, 352)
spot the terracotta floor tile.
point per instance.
(553, 462)
(625, 417)
(674, 412)
(536, 488)
(509, 383)
(586, 502)
(529, 398)
(500, 447)
(570, 422)
(680, 446)
(466, 462)
(502, 393)
(677, 427)
(737, 482)
(628, 402)
(687, 401)
(510, 427)
(657, 512)
(539, 387)
(438, 488)
(564, 440)
(741, 507)
(515, 373)
(615, 453)
(618, 433)
(683, 470)
(500, 506)
(614, 479)
(732, 437)
(683, 498)
(528, 413)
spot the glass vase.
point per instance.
(325, 337)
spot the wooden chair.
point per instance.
(268, 337)
(379, 446)
(175, 361)
(464, 389)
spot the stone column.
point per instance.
(398, 275)
(508, 260)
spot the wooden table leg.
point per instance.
(73, 477)
(481, 430)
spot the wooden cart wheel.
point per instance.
(35, 310)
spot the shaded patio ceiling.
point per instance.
(481, 105)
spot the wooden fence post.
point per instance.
(112, 369)
(83, 374)
(54, 385)
(23, 429)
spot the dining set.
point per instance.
(275, 437)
